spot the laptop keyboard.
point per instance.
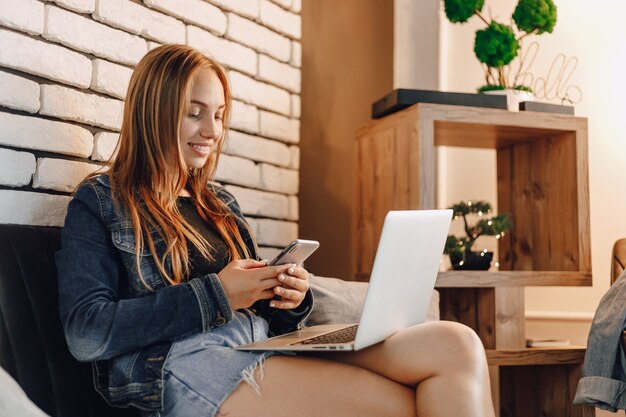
(338, 336)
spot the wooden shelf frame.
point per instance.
(482, 279)
(542, 181)
(536, 356)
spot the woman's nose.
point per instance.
(210, 129)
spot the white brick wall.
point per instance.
(258, 37)
(109, 78)
(279, 127)
(261, 203)
(60, 174)
(260, 94)
(124, 14)
(16, 168)
(46, 60)
(278, 73)
(18, 93)
(65, 66)
(23, 15)
(95, 38)
(104, 145)
(37, 209)
(197, 12)
(257, 149)
(45, 135)
(229, 54)
(79, 6)
(280, 19)
(280, 180)
(246, 8)
(70, 104)
(245, 117)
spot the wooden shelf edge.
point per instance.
(536, 356)
(485, 279)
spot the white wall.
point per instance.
(589, 34)
(64, 70)
(416, 49)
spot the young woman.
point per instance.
(159, 280)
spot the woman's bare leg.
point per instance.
(313, 387)
(445, 361)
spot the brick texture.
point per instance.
(37, 209)
(80, 6)
(260, 94)
(246, 8)
(245, 117)
(258, 37)
(296, 54)
(295, 106)
(45, 135)
(279, 127)
(280, 74)
(104, 145)
(197, 12)
(96, 38)
(261, 203)
(239, 171)
(227, 53)
(276, 233)
(60, 174)
(281, 20)
(65, 66)
(280, 180)
(16, 168)
(47, 60)
(18, 93)
(69, 104)
(23, 15)
(109, 78)
(257, 149)
(140, 20)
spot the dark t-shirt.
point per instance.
(219, 251)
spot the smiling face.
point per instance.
(203, 124)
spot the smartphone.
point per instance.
(295, 252)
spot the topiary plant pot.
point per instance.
(513, 97)
(471, 261)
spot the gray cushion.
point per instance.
(338, 301)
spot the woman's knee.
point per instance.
(462, 343)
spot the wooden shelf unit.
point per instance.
(542, 181)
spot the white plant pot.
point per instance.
(513, 97)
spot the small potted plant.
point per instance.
(460, 250)
(499, 43)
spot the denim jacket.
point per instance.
(113, 320)
(603, 383)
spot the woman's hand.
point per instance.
(294, 285)
(246, 281)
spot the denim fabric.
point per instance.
(112, 319)
(188, 392)
(603, 383)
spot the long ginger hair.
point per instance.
(149, 171)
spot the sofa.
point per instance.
(33, 351)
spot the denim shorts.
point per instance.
(203, 370)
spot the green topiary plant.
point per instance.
(460, 248)
(498, 44)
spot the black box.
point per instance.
(545, 107)
(402, 98)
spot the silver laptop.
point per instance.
(403, 277)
